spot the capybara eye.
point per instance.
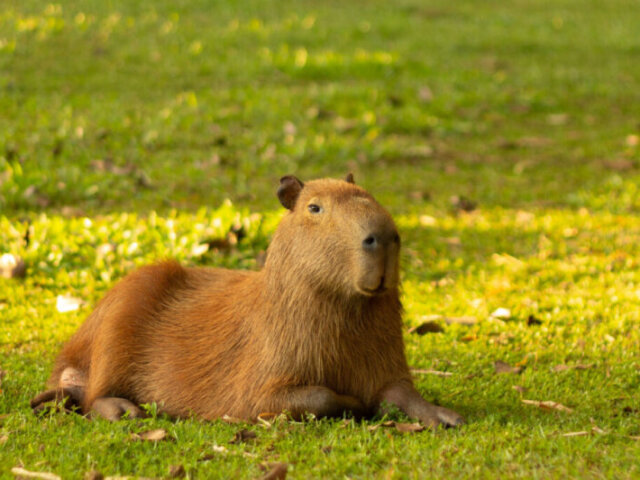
(396, 238)
(313, 208)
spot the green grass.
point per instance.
(129, 124)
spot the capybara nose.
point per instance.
(371, 243)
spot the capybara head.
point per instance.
(336, 238)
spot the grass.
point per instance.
(128, 124)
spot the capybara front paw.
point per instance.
(114, 408)
(449, 418)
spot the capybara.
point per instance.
(318, 330)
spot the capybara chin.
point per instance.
(317, 330)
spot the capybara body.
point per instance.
(317, 330)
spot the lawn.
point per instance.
(504, 137)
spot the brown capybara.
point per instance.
(317, 330)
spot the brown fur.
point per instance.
(317, 330)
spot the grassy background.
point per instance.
(124, 126)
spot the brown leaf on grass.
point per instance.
(22, 473)
(520, 388)
(409, 427)
(223, 244)
(151, 435)
(3, 439)
(426, 371)
(344, 125)
(581, 433)
(107, 165)
(277, 471)
(548, 405)
(242, 436)
(634, 437)
(385, 424)
(267, 418)
(425, 94)
(12, 266)
(503, 367)
(463, 320)
(93, 475)
(525, 142)
(176, 471)
(460, 203)
(580, 366)
(619, 164)
(427, 327)
(557, 119)
(40, 199)
(533, 320)
(400, 427)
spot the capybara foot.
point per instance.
(443, 417)
(114, 408)
(59, 399)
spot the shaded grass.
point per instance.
(529, 109)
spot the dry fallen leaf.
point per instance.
(634, 437)
(277, 471)
(425, 94)
(176, 471)
(267, 418)
(581, 433)
(547, 405)
(422, 371)
(93, 475)
(427, 327)
(3, 439)
(562, 368)
(107, 165)
(68, 303)
(520, 388)
(400, 427)
(503, 367)
(582, 366)
(22, 473)
(219, 449)
(151, 435)
(464, 320)
(409, 427)
(533, 320)
(243, 436)
(385, 424)
(12, 266)
(460, 203)
(619, 164)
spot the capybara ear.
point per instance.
(289, 190)
(349, 178)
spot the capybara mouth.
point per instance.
(370, 292)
